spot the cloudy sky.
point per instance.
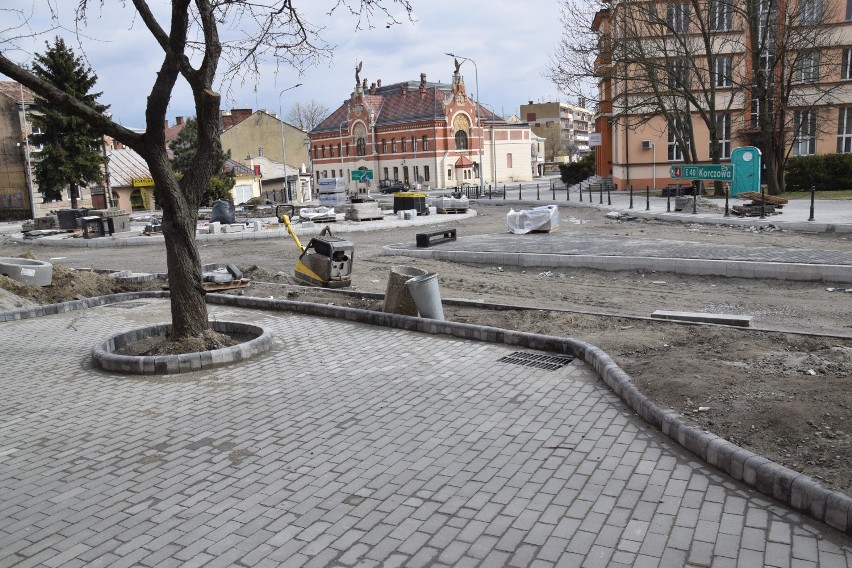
(510, 41)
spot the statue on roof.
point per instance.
(358, 73)
(458, 65)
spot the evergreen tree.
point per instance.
(72, 154)
(183, 149)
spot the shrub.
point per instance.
(575, 172)
(826, 172)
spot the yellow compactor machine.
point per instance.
(326, 261)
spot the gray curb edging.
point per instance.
(105, 358)
(795, 490)
(70, 306)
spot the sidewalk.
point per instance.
(355, 445)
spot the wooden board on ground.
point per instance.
(217, 286)
(451, 211)
(757, 197)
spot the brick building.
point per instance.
(420, 133)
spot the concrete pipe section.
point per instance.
(32, 272)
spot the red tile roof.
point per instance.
(390, 106)
(12, 90)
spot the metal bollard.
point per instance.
(490, 191)
(608, 199)
(727, 196)
(581, 192)
(647, 198)
(631, 197)
(590, 193)
(519, 192)
(504, 192)
(813, 192)
(537, 194)
(600, 191)
(668, 201)
(762, 203)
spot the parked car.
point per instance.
(387, 186)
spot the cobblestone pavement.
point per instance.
(351, 445)
(574, 243)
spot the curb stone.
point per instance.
(793, 489)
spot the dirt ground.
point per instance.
(781, 389)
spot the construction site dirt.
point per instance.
(780, 389)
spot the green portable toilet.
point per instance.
(746, 162)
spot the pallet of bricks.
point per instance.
(760, 203)
(451, 205)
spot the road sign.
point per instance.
(362, 175)
(711, 172)
(594, 138)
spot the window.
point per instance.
(405, 177)
(848, 10)
(449, 173)
(426, 140)
(807, 67)
(395, 173)
(846, 64)
(675, 151)
(425, 172)
(338, 151)
(804, 142)
(508, 160)
(347, 148)
(323, 151)
(461, 140)
(405, 144)
(384, 146)
(361, 147)
(844, 131)
(678, 74)
(416, 173)
(723, 71)
(721, 15)
(723, 131)
(316, 152)
(530, 117)
(810, 11)
(393, 145)
(677, 18)
(413, 143)
(386, 173)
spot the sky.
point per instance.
(510, 42)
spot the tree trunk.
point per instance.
(72, 192)
(180, 216)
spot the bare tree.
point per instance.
(691, 62)
(305, 116)
(554, 145)
(192, 52)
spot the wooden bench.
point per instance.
(435, 237)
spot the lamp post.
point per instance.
(478, 123)
(283, 144)
(653, 148)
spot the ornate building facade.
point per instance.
(419, 133)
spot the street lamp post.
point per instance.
(478, 123)
(653, 148)
(283, 143)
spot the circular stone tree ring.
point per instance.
(104, 355)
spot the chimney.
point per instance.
(423, 85)
(166, 124)
(423, 78)
(364, 84)
(403, 89)
(372, 88)
(379, 83)
(530, 102)
(179, 120)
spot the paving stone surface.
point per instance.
(351, 445)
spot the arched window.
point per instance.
(361, 147)
(461, 140)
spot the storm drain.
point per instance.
(537, 360)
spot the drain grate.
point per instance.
(537, 360)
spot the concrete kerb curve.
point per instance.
(795, 490)
(104, 356)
